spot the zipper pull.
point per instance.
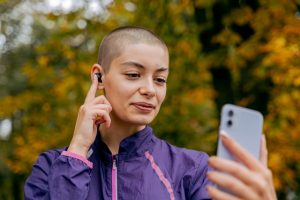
(114, 162)
(114, 182)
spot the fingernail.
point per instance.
(207, 188)
(211, 159)
(95, 77)
(208, 174)
(224, 134)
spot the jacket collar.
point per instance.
(132, 146)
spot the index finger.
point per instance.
(92, 91)
(240, 153)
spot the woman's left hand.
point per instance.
(250, 180)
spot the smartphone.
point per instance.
(244, 126)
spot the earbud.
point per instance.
(99, 75)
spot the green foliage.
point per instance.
(242, 52)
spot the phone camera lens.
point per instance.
(229, 123)
(230, 113)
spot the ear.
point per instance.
(96, 68)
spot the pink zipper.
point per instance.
(114, 183)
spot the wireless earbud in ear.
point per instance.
(99, 75)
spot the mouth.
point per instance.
(144, 107)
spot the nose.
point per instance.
(147, 89)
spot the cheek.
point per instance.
(126, 90)
(119, 92)
(161, 95)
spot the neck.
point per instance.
(117, 131)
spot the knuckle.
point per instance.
(261, 184)
(267, 174)
(101, 113)
(234, 171)
(230, 185)
(263, 187)
(237, 171)
(102, 97)
(82, 108)
(234, 187)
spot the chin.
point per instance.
(141, 120)
(135, 118)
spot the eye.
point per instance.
(161, 80)
(132, 75)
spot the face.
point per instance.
(135, 84)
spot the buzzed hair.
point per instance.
(114, 43)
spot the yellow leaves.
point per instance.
(261, 21)
(63, 24)
(281, 159)
(69, 53)
(286, 76)
(19, 141)
(204, 3)
(3, 1)
(234, 61)
(26, 156)
(46, 107)
(239, 16)
(43, 61)
(279, 53)
(276, 161)
(200, 95)
(184, 47)
(12, 104)
(283, 124)
(277, 181)
(284, 55)
(38, 74)
(8, 106)
(227, 37)
(286, 106)
(294, 76)
(277, 44)
(63, 86)
(293, 28)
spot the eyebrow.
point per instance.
(138, 65)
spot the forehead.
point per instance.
(143, 54)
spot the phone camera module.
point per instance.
(229, 123)
(230, 113)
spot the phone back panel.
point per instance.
(244, 126)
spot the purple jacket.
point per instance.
(146, 168)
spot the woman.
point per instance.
(113, 153)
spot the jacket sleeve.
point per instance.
(199, 181)
(58, 175)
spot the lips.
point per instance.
(144, 107)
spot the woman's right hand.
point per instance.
(94, 111)
(247, 178)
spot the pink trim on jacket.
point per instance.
(161, 176)
(114, 186)
(74, 155)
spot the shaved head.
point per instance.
(116, 41)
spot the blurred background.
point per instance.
(245, 52)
